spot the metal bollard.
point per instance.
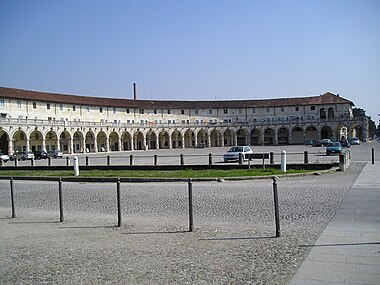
(240, 158)
(60, 200)
(271, 157)
(131, 159)
(76, 166)
(49, 161)
(283, 161)
(210, 159)
(373, 156)
(32, 162)
(67, 161)
(276, 207)
(182, 161)
(12, 200)
(16, 161)
(306, 157)
(190, 188)
(118, 202)
(155, 159)
(108, 160)
(87, 161)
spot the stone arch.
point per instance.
(342, 132)
(176, 139)
(283, 135)
(19, 139)
(322, 113)
(4, 142)
(163, 138)
(298, 135)
(138, 141)
(229, 137)
(189, 138)
(90, 141)
(356, 130)
(64, 142)
(255, 137)
(126, 140)
(311, 133)
(216, 138)
(78, 142)
(202, 137)
(326, 132)
(35, 141)
(269, 136)
(242, 136)
(151, 139)
(113, 139)
(330, 113)
(51, 140)
(102, 141)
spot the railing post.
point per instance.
(283, 161)
(373, 156)
(16, 161)
(131, 159)
(67, 161)
(32, 162)
(49, 161)
(12, 200)
(155, 159)
(306, 157)
(60, 200)
(240, 158)
(108, 160)
(118, 202)
(87, 161)
(271, 156)
(181, 159)
(276, 207)
(210, 159)
(190, 189)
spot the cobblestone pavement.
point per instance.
(233, 241)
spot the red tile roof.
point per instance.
(19, 94)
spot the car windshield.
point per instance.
(335, 144)
(236, 149)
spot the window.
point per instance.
(88, 109)
(18, 104)
(312, 108)
(2, 103)
(297, 109)
(100, 109)
(168, 111)
(48, 106)
(240, 111)
(282, 109)
(196, 112)
(141, 111)
(34, 105)
(61, 107)
(210, 112)
(253, 110)
(127, 110)
(182, 112)
(155, 111)
(225, 111)
(268, 109)
(74, 108)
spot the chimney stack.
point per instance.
(134, 91)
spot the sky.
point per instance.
(194, 50)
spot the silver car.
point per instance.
(55, 154)
(233, 153)
(4, 157)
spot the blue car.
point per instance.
(333, 147)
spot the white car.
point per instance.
(55, 154)
(233, 153)
(4, 157)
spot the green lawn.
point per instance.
(189, 173)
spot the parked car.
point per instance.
(55, 154)
(345, 143)
(233, 153)
(40, 154)
(354, 141)
(317, 143)
(333, 147)
(22, 155)
(325, 142)
(4, 157)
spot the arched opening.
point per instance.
(322, 113)
(229, 138)
(90, 142)
(216, 138)
(151, 140)
(189, 139)
(202, 138)
(163, 140)
(78, 142)
(242, 137)
(176, 139)
(114, 141)
(101, 141)
(255, 137)
(4, 142)
(19, 141)
(64, 140)
(138, 140)
(51, 141)
(283, 136)
(126, 141)
(268, 136)
(357, 132)
(342, 132)
(330, 113)
(35, 141)
(311, 133)
(326, 133)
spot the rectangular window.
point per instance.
(114, 110)
(297, 109)
(48, 106)
(88, 109)
(196, 112)
(141, 111)
(127, 110)
(155, 111)
(268, 109)
(253, 110)
(100, 109)
(282, 109)
(34, 105)
(61, 107)
(168, 111)
(18, 104)
(240, 111)
(225, 111)
(182, 112)
(210, 112)
(312, 108)
(2, 103)
(74, 108)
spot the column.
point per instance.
(58, 144)
(84, 145)
(132, 142)
(208, 140)
(27, 144)
(10, 147)
(235, 138)
(43, 144)
(183, 141)
(196, 139)
(222, 139)
(275, 137)
(95, 145)
(170, 142)
(71, 148)
(107, 146)
(157, 142)
(120, 144)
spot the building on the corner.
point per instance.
(34, 121)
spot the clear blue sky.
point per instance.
(194, 50)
